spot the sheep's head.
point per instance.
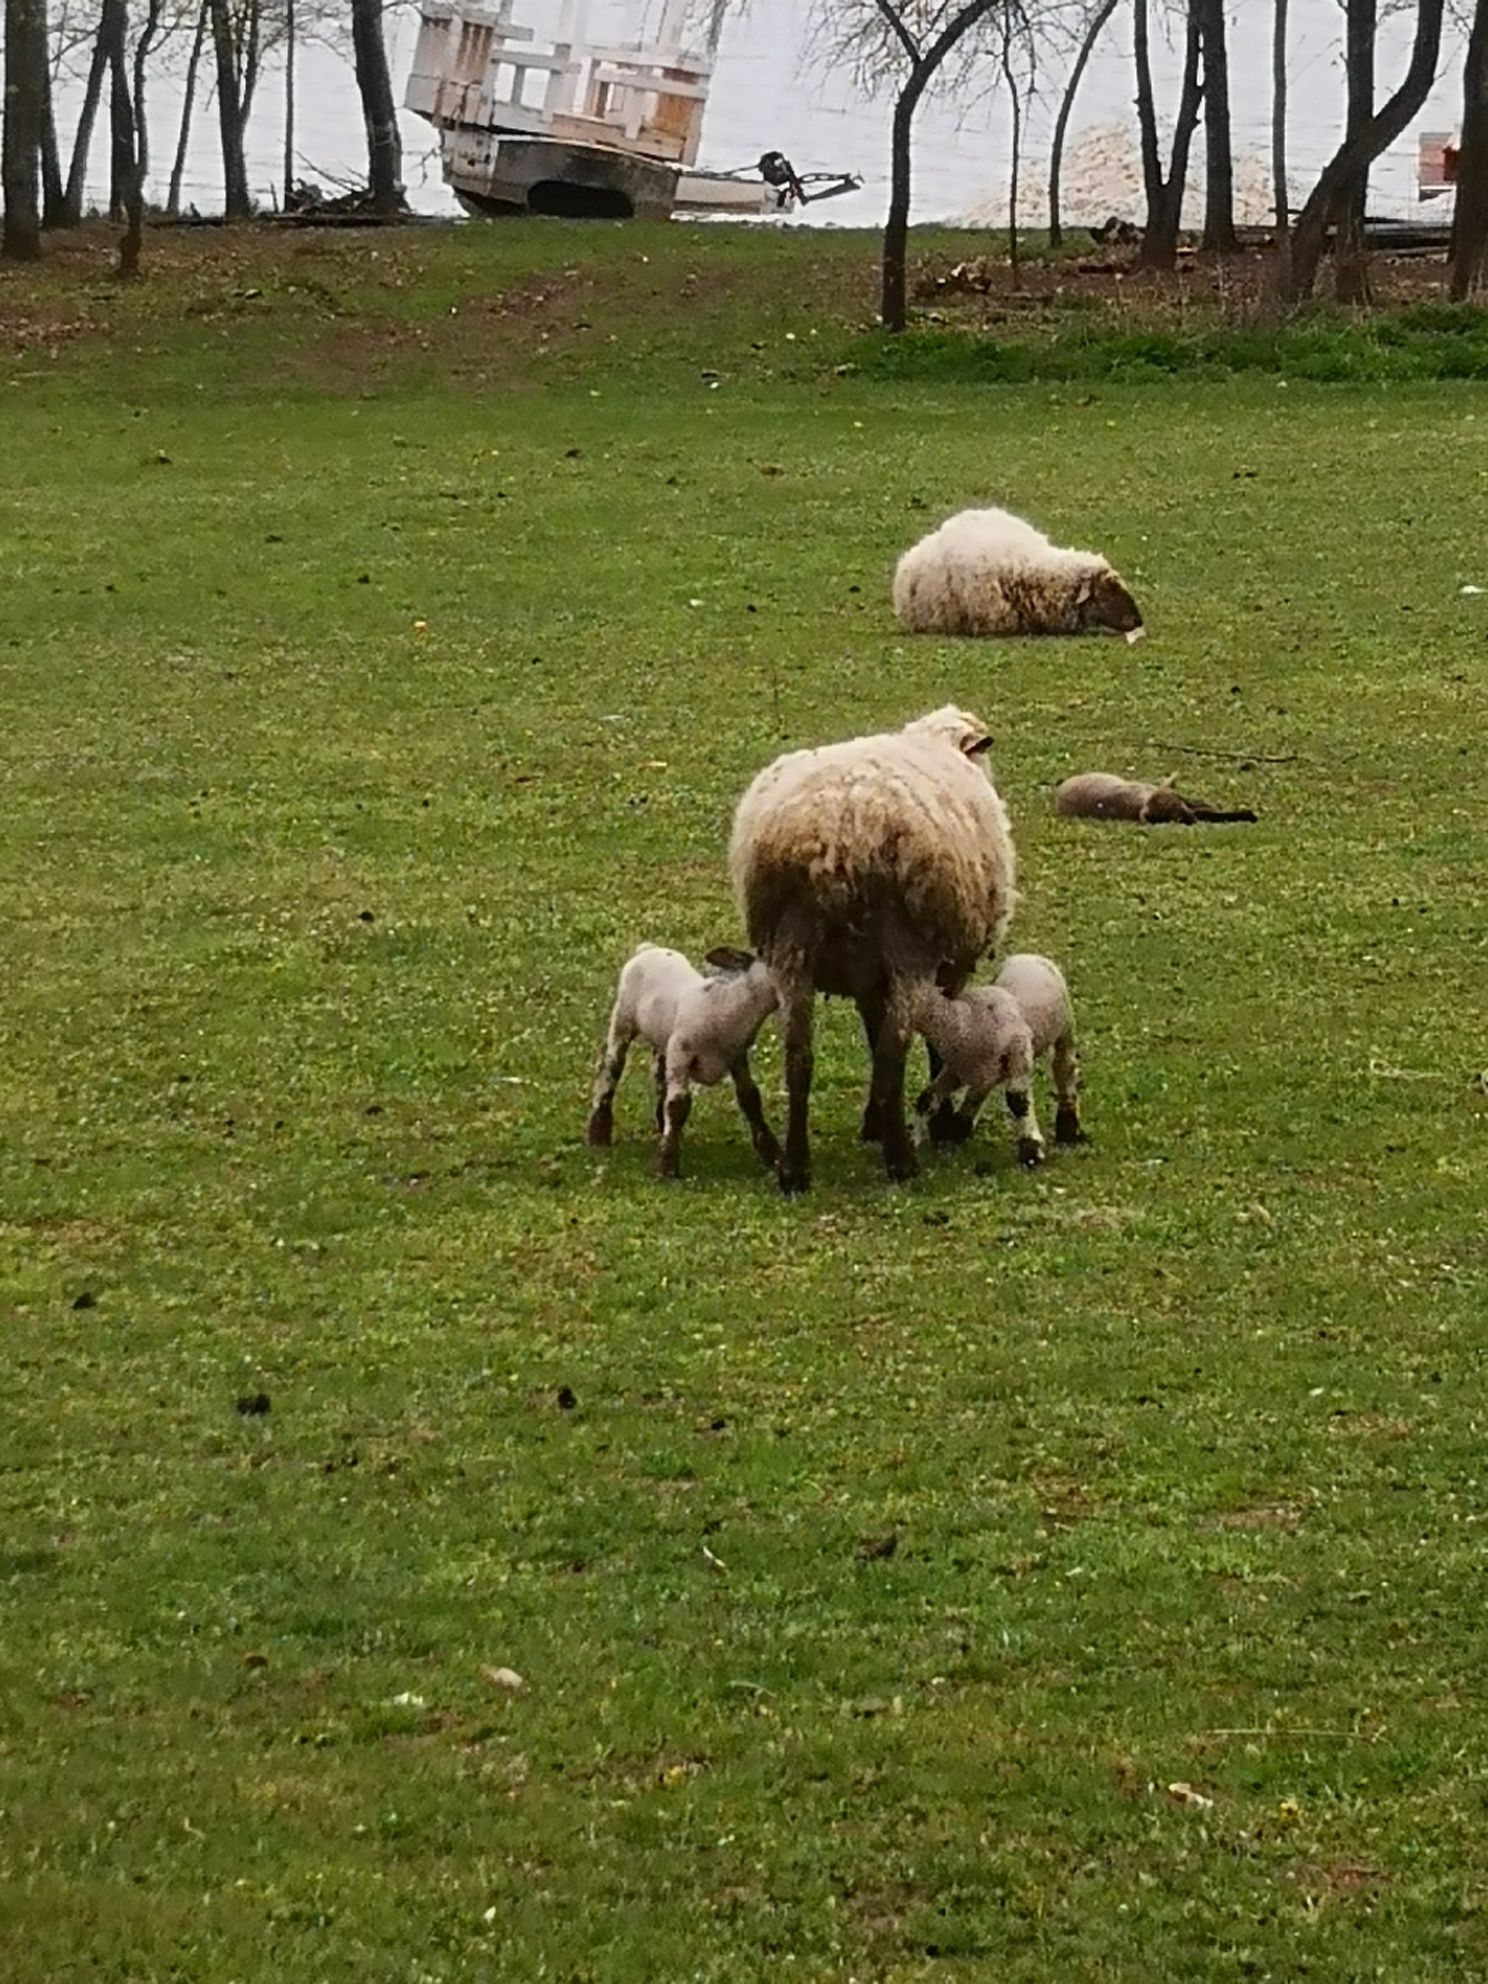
(967, 733)
(1103, 604)
(730, 962)
(1167, 808)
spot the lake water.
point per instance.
(770, 94)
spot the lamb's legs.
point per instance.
(677, 1109)
(937, 1094)
(889, 1057)
(1066, 1059)
(871, 1012)
(796, 1000)
(659, 1081)
(747, 1092)
(601, 1128)
(946, 1126)
(1030, 1137)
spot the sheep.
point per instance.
(862, 869)
(989, 572)
(1104, 796)
(699, 1027)
(991, 1037)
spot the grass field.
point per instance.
(374, 677)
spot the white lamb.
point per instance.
(991, 1037)
(700, 1027)
(989, 572)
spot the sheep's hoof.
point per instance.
(1030, 1152)
(1067, 1128)
(601, 1130)
(769, 1154)
(794, 1183)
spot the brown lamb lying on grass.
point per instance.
(1104, 796)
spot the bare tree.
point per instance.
(1280, 195)
(289, 99)
(188, 107)
(1294, 273)
(1016, 35)
(82, 143)
(379, 112)
(232, 111)
(1165, 192)
(1094, 27)
(1219, 155)
(20, 146)
(1470, 224)
(53, 201)
(1350, 263)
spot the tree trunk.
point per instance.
(53, 202)
(132, 245)
(236, 203)
(1350, 263)
(289, 101)
(82, 143)
(1470, 226)
(895, 303)
(121, 111)
(1292, 281)
(1281, 198)
(1017, 146)
(1061, 122)
(1165, 195)
(20, 148)
(188, 106)
(379, 112)
(1219, 191)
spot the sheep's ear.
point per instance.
(1086, 588)
(1166, 785)
(725, 957)
(975, 746)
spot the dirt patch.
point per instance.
(1264, 1515)
(1339, 1878)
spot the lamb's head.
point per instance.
(959, 728)
(749, 973)
(1167, 808)
(1103, 604)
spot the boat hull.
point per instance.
(492, 174)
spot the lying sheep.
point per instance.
(699, 1027)
(989, 572)
(1103, 796)
(862, 869)
(991, 1037)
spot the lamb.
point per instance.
(991, 1037)
(989, 572)
(863, 870)
(1104, 796)
(699, 1027)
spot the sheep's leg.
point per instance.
(945, 1125)
(747, 1091)
(796, 1001)
(1067, 1128)
(888, 1090)
(659, 1082)
(871, 1012)
(676, 1108)
(928, 1099)
(971, 1105)
(1030, 1137)
(601, 1128)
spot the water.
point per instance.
(769, 94)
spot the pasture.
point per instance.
(1071, 1575)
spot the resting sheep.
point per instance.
(1103, 796)
(992, 1036)
(989, 572)
(864, 870)
(699, 1027)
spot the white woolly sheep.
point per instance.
(989, 572)
(863, 869)
(992, 1036)
(699, 1027)
(1104, 796)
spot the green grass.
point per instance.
(312, 915)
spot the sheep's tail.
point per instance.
(1219, 815)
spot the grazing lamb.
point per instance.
(863, 870)
(988, 572)
(991, 1037)
(699, 1027)
(1103, 796)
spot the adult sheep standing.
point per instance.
(866, 870)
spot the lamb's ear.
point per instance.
(975, 746)
(725, 957)
(1083, 591)
(1166, 784)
